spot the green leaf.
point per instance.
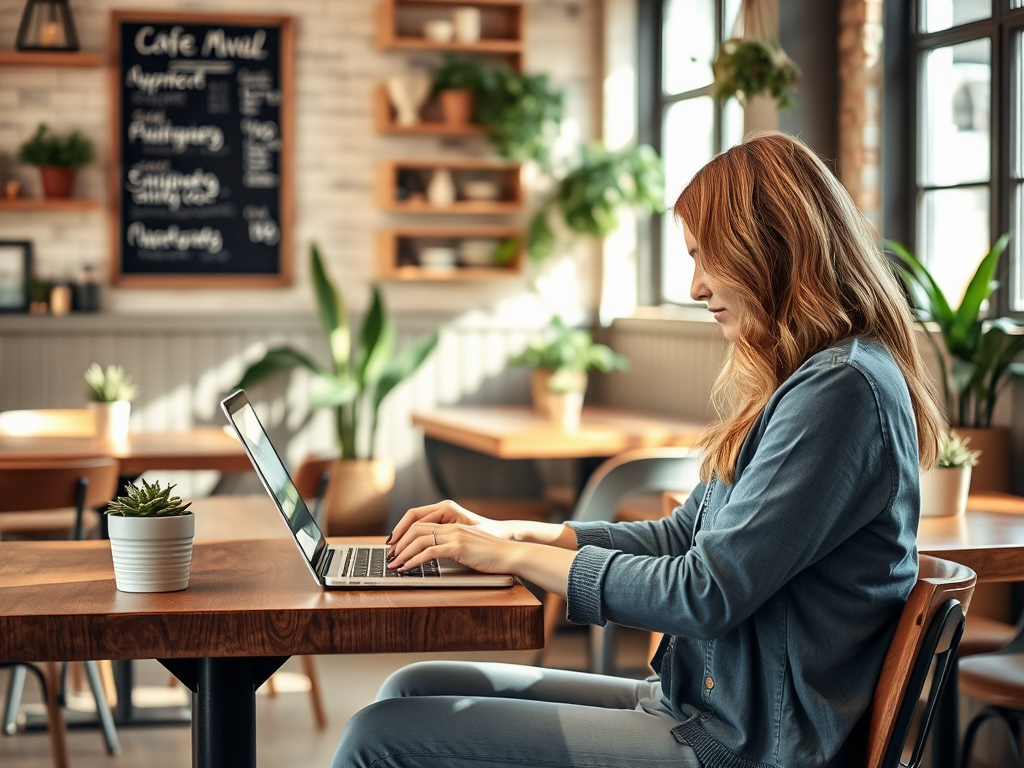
(540, 238)
(935, 301)
(980, 287)
(403, 365)
(332, 312)
(377, 345)
(328, 390)
(275, 361)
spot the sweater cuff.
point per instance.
(583, 593)
(591, 534)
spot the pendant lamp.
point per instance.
(46, 25)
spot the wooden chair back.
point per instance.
(27, 486)
(48, 422)
(929, 630)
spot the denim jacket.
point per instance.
(778, 594)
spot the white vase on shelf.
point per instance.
(407, 94)
(441, 189)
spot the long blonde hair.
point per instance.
(777, 228)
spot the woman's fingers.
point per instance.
(418, 546)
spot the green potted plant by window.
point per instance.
(975, 356)
(745, 68)
(945, 486)
(560, 360)
(590, 198)
(151, 535)
(353, 385)
(110, 392)
(58, 156)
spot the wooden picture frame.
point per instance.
(15, 275)
(201, 172)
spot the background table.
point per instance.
(249, 605)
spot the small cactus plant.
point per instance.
(109, 386)
(150, 500)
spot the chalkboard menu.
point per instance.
(201, 171)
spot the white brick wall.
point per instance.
(336, 149)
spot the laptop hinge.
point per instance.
(325, 562)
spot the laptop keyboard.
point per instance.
(370, 562)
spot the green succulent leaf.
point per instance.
(148, 500)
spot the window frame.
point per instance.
(999, 29)
(652, 103)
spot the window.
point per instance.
(687, 125)
(966, 179)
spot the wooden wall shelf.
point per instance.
(464, 172)
(384, 120)
(398, 250)
(49, 204)
(502, 26)
(52, 58)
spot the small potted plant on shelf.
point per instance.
(110, 393)
(560, 361)
(944, 488)
(151, 535)
(455, 81)
(58, 157)
(975, 356)
(353, 386)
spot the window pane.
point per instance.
(1017, 251)
(1017, 107)
(689, 44)
(732, 124)
(956, 114)
(953, 236)
(943, 14)
(688, 142)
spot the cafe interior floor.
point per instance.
(286, 732)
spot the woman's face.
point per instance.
(721, 301)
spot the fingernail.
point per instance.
(390, 558)
(389, 538)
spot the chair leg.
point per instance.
(15, 687)
(55, 716)
(310, 671)
(602, 649)
(106, 719)
(554, 610)
(1007, 717)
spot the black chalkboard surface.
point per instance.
(201, 171)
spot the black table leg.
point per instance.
(224, 706)
(946, 727)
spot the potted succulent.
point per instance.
(151, 536)
(590, 197)
(976, 356)
(353, 386)
(58, 157)
(745, 68)
(560, 361)
(945, 486)
(110, 394)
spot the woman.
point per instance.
(779, 582)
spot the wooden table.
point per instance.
(249, 605)
(191, 449)
(519, 432)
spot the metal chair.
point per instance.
(28, 488)
(643, 470)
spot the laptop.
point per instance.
(358, 566)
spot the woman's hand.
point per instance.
(467, 544)
(444, 512)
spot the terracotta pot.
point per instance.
(993, 470)
(356, 500)
(539, 389)
(944, 491)
(57, 181)
(457, 106)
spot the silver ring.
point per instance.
(434, 538)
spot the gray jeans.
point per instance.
(476, 715)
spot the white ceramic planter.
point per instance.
(944, 491)
(565, 409)
(111, 419)
(151, 554)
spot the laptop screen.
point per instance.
(275, 477)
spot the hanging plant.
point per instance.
(745, 68)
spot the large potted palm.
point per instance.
(976, 357)
(353, 386)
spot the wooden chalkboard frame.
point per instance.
(211, 279)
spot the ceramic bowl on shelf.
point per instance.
(477, 252)
(481, 189)
(439, 30)
(437, 257)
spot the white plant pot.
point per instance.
(565, 409)
(151, 554)
(111, 419)
(944, 491)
